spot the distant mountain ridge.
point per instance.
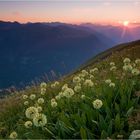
(30, 50)
(33, 50)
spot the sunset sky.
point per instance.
(71, 11)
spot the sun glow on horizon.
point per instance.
(126, 23)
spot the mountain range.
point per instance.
(35, 51)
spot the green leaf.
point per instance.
(104, 134)
(83, 133)
(129, 112)
(109, 130)
(102, 123)
(117, 122)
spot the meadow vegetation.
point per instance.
(98, 102)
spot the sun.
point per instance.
(126, 23)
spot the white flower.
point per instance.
(68, 92)
(65, 86)
(126, 60)
(127, 67)
(28, 124)
(54, 104)
(112, 85)
(52, 100)
(43, 91)
(84, 73)
(135, 135)
(24, 97)
(77, 88)
(61, 94)
(40, 120)
(76, 79)
(81, 76)
(57, 97)
(113, 68)
(88, 83)
(40, 100)
(32, 96)
(112, 64)
(26, 103)
(54, 84)
(31, 112)
(13, 135)
(43, 85)
(137, 61)
(93, 71)
(97, 104)
(91, 76)
(108, 81)
(39, 108)
(135, 72)
(83, 96)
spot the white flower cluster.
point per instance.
(88, 83)
(43, 86)
(34, 114)
(113, 67)
(53, 103)
(55, 84)
(110, 83)
(76, 80)
(129, 68)
(94, 70)
(13, 135)
(97, 104)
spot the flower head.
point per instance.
(126, 60)
(26, 103)
(65, 86)
(68, 92)
(31, 112)
(32, 96)
(83, 96)
(97, 104)
(13, 135)
(108, 81)
(24, 97)
(54, 104)
(112, 84)
(93, 71)
(76, 79)
(28, 124)
(137, 61)
(113, 68)
(39, 108)
(40, 120)
(43, 91)
(135, 72)
(77, 88)
(112, 64)
(43, 85)
(88, 83)
(40, 100)
(127, 67)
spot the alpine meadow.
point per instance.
(70, 69)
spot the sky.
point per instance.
(71, 11)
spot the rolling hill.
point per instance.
(98, 101)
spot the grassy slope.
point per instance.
(12, 108)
